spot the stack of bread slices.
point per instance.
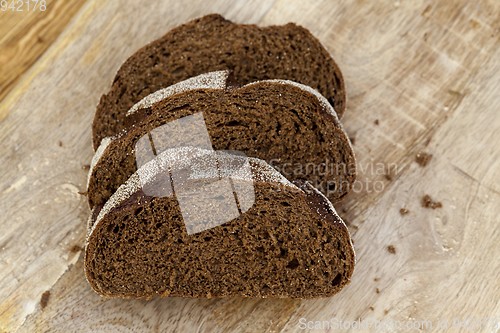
(210, 147)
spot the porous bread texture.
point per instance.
(212, 80)
(180, 157)
(265, 103)
(212, 43)
(290, 243)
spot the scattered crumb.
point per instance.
(388, 177)
(45, 299)
(455, 93)
(475, 24)
(83, 193)
(378, 291)
(386, 311)
(426, 10)
(371, 308)
(86, 166)
(428, 203)
(76, 248)
(60, 143)
(376, 122)
(376, 279)
(404, 211)
(353, 140)
(344, 209)
(423, 158)
(391, 249)
(355, 227)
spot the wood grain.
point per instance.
(26, 35)
(427, 71)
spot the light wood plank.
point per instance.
(426, 70)
(26, 35)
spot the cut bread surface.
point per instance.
(287, 124)
(288, 243)
(212, 43)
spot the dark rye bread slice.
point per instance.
(212, 43)
(289, 125)
(289, 243)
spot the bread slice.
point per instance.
(289, 125)
(289, 242)
(212, 43)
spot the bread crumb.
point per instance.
(376, 122)
(404, 211)
(76, 248)
(422, 158)
(83, 193)
(455, 93)
(428, 203)
(371, 308)
(60, 143)
(378, 291)
(388, 177)
(391, 249)
(386, 311)
(353, 140)
(86, 166)
(45, 299)
(376, 279)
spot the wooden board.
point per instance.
(426, 71)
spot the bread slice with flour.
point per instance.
(212, 43)
(284, 239)
(289, 125)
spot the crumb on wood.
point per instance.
(372, 308)
(355, 227)
(426, 10)
(60, 143)
(404, 211)
(378, 291)
(86, 166)
(388, 177)
(423, 158)
(45, 299)
(391, 249)
(428, 203)
(376, 279)
(454, 93)
(386, 311)
(76, 248)
(83, 193)
(376, 122)
(353, 140)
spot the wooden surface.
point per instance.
(428, 71)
